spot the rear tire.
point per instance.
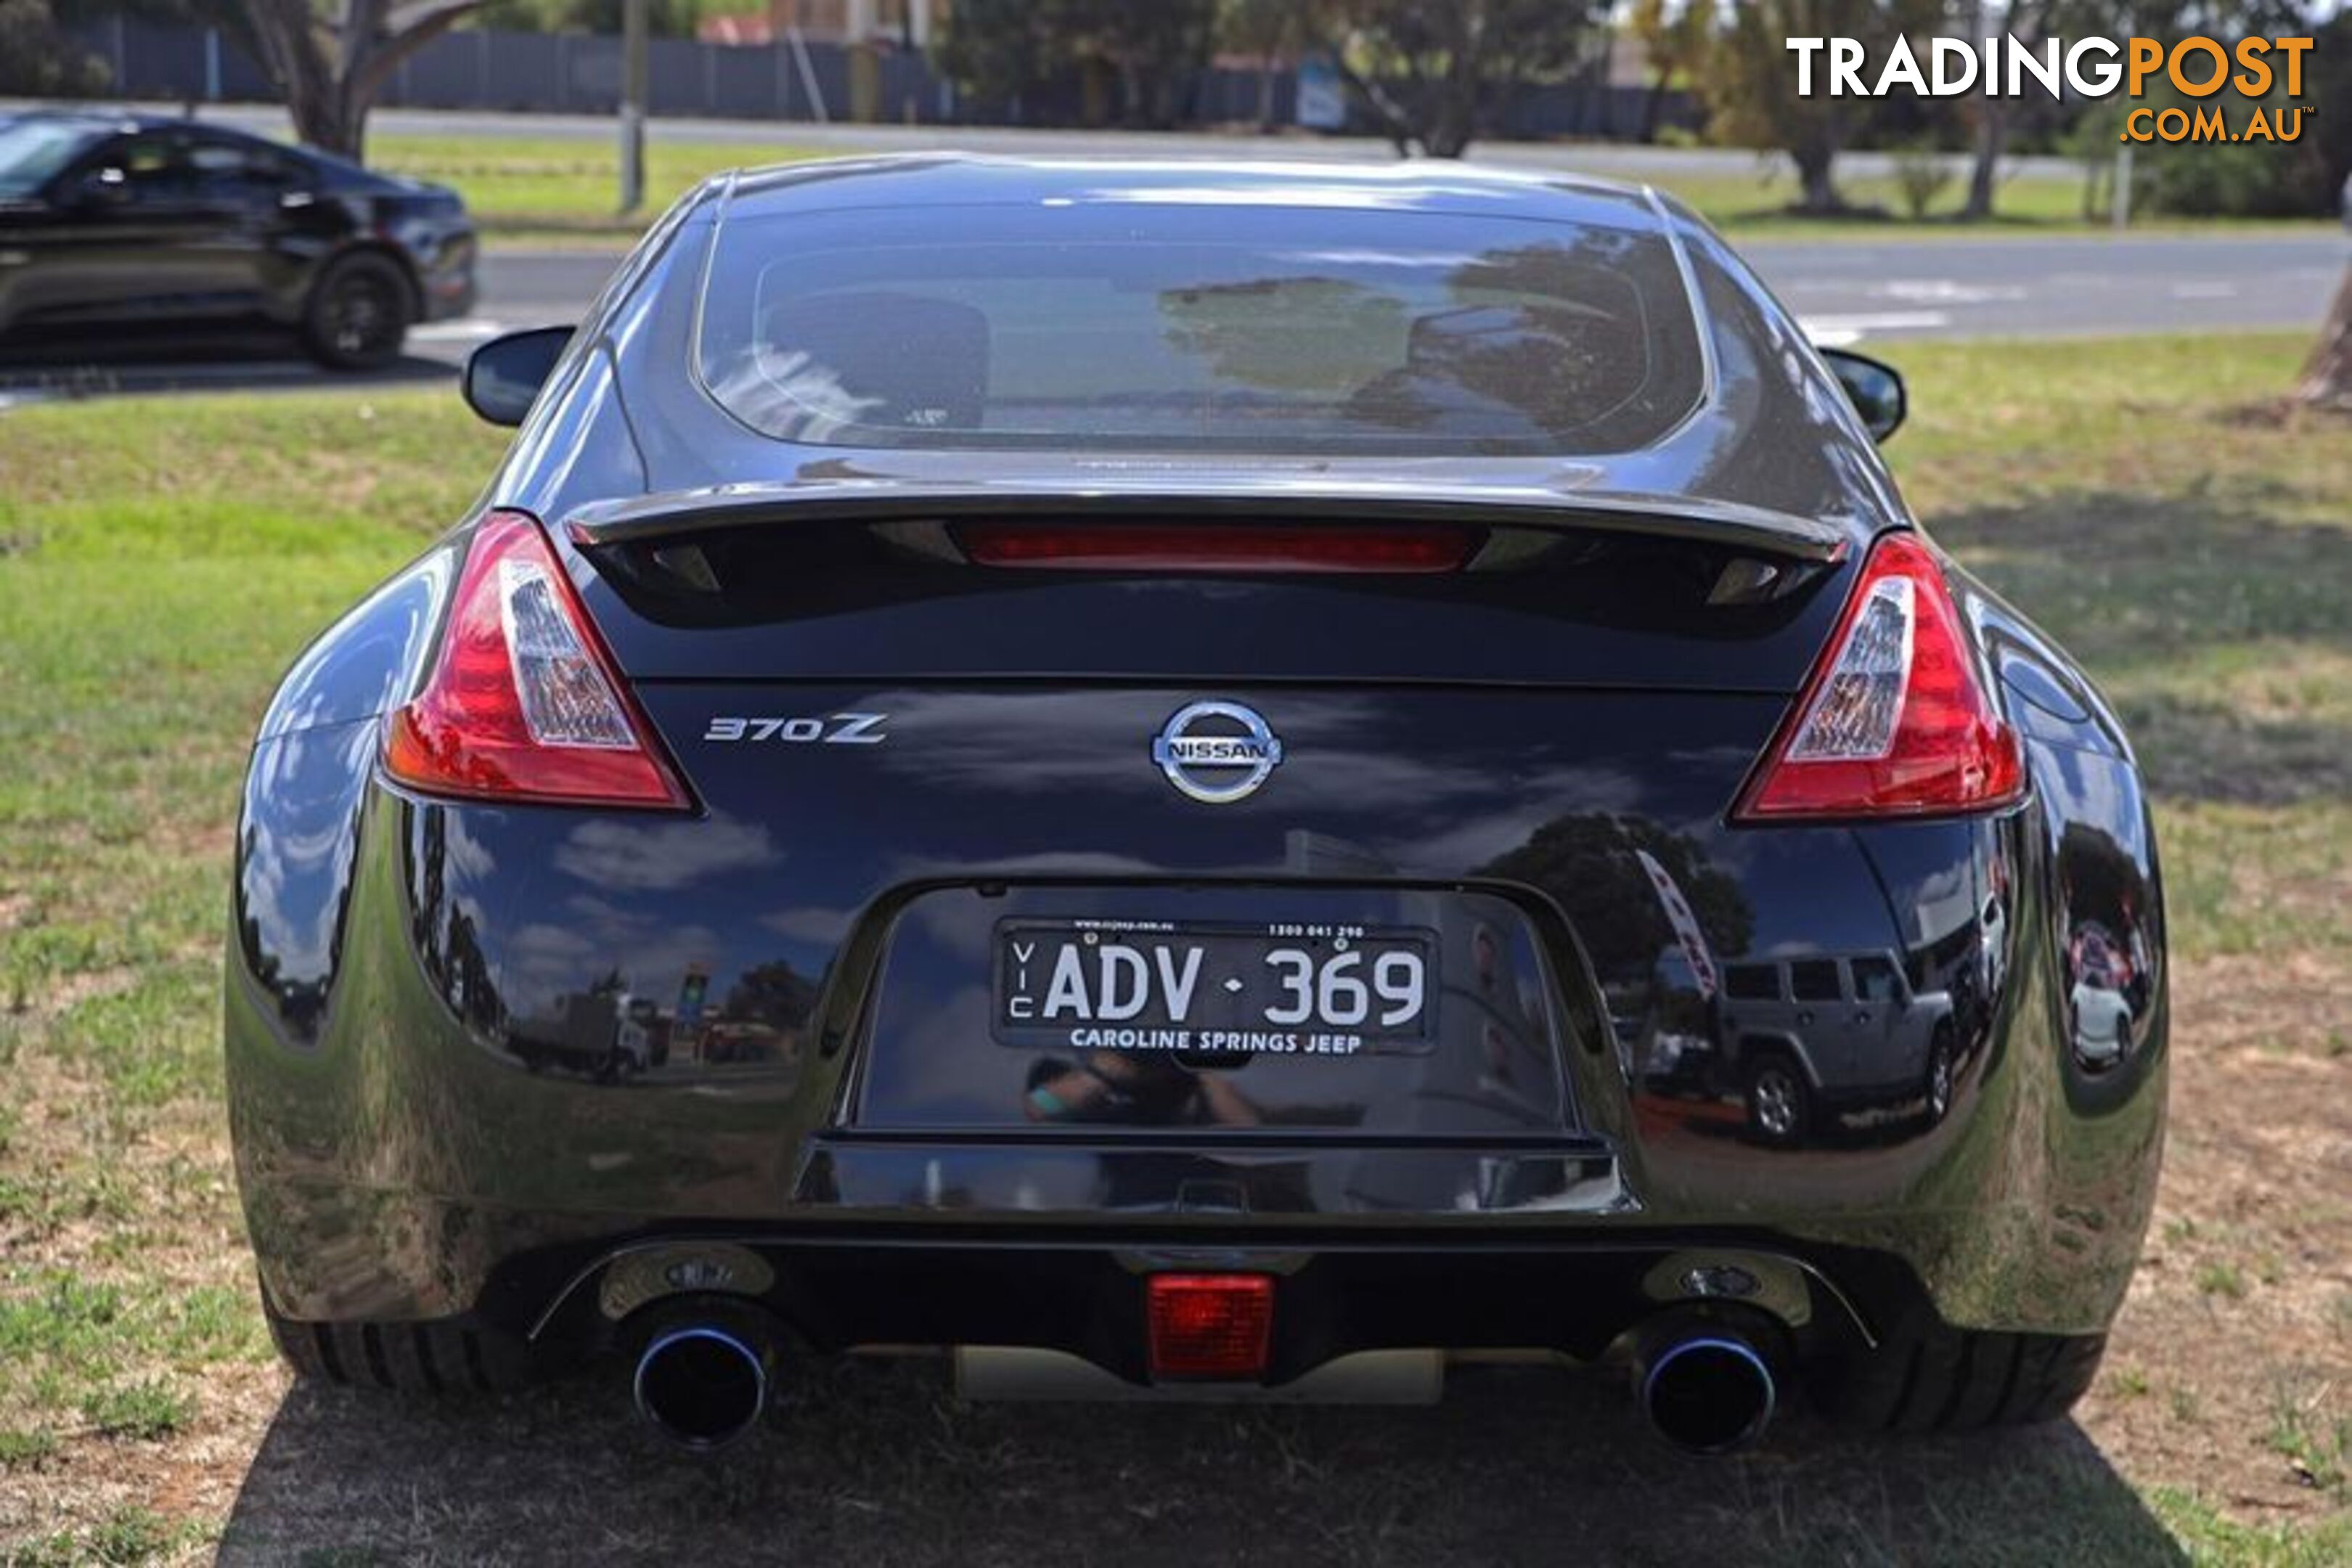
(1931, 1378)
(1779, 1101)
(358, 314)
(1943, 1073)
(422, 1360)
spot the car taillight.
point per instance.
(1894, 722)
(522, 702)
(1217, 547)
(1210, 1325)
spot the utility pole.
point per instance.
(633, 105)
(2120, 204)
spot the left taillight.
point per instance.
(522, 702)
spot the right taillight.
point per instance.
(522, 703)
(1894, 720)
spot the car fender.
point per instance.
(368, 662)
(1753, 1043)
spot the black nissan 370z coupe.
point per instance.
(1159, 775)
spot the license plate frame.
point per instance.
(1218, 1022)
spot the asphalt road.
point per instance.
(1847, 290)
(1844, 290)
(1847, 293)
(1617, 160)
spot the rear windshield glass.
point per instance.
(1236, 329)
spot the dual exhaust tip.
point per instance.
(704, 1384)
(1705, 1387)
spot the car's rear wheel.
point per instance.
(1930, 1377)
(1941, 1069)
(1779, 1101)
(417, 1358)
(358, 314)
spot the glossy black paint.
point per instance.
(224, 226)
(482, 1057)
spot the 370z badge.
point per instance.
(1218, 753)
(838, 730)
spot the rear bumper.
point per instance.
(400, 1157)
(1079, 1290)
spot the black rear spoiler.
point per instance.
(855, 497)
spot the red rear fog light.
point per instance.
(1211, 1325)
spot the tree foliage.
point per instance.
(1674, 35)
(1270, 31)
(998, 51)
(1750, 82)
(663, 19)
(2245, 178)
(2035, 22)
(773, 994)
(1438, 74)
(1433, 74)
(37, 59)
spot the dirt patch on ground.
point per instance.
(2230, 1369)
(2288, 414)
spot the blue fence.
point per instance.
(581, 74)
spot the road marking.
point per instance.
(464, 332)
(1947, 291)
(1838, 331)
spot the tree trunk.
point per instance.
(330, 72)
(1265, 93)
(1395, 119)
(1453, 123)
(1454, 119)
(1816, 160)
(1446, 138)
(2327, 376)
(1654, 106)
(2024, 23)
(318, 122)
(1992, 142)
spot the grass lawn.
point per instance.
(559, 191)
(162, 560)
(531, 187)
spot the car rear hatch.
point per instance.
(1080, 812)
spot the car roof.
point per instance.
(113, 119)
(946, 179)
(127, 122)
(339, 172)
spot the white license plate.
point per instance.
(1284, 988)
